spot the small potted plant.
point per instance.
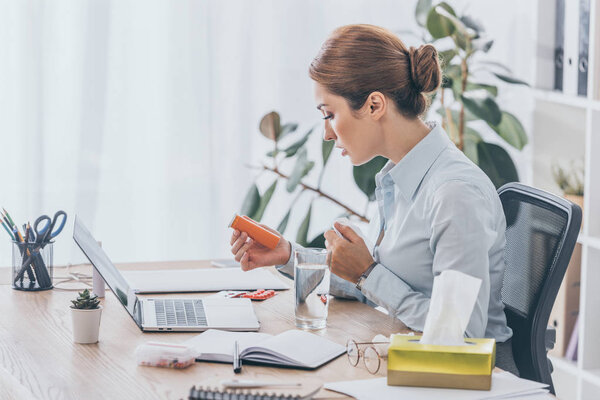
(86, 311)
(570, 181)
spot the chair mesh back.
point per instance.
(533, 236)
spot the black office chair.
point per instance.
(541, 231)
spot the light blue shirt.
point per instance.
(439, 211)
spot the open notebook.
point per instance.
(289, 348)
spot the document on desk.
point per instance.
(292, 348)
(504, 386)
(202, 280)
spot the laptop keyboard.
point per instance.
(174, 312)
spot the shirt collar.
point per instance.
(411, 170)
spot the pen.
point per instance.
(8, 216)
(237, 362)
(25, 252)
(7, 221)
(247, 384)
(7, 230)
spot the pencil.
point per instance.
(7, 230)
(7, 221)
(8, 215)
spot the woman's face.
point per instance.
(353, 132)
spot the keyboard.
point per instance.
(174, 312)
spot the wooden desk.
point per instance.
(38, 358)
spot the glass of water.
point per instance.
(311, 280)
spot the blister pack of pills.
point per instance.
(166, 355)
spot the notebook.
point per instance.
(207, 392)
(287, 349)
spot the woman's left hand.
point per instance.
(350, 256)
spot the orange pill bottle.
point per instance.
(255, 231)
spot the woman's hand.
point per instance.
(251, 254)
(350, 256)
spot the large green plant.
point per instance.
(466, 97)
(463, 100)
(289, 162)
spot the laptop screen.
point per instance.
(111, 275)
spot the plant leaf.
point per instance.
(283, 224)
(468, 115)
(326, 149)
(293, 148)
(453, 71)
(510, 79)
(264, 201)
(446, 15)
(301, 236)
(493, 90)
(421, 11)
(482, 44)
(301, 169)
(438, 24)
(270, 126)
(447, 56)
(496, 163)
(287, 129)
(318, 241)
(511, 130)
(482, 105)
(251, 201)
(470, 140)
(364, 175)
(496, 64)
(472, 23)
(453, 79)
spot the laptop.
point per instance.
(166, 314)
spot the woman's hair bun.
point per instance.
(425, 69)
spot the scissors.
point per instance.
(49, 231)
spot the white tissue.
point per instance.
(382, 344)
(356, 229)
(452, 301)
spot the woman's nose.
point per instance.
(328, 133)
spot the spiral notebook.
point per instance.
(215, 393)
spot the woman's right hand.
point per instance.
(251, 254)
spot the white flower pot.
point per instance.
(86, 325)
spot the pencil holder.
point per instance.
(32, 266)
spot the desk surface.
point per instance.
(38, 358)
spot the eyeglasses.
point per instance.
(372, 358)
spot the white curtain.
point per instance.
(141, 117)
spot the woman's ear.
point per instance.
(377, 105)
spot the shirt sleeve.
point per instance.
(338, 286)
(462, 233)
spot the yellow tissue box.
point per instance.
(411, 363)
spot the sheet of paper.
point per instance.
(203, 280)
(504, 385)
(213, 343)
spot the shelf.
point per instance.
(564, 365)
(590, 241)
(592, 376)
(553, 96)
(570, 367)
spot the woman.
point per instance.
(437, 210)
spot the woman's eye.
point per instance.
(329, 116)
